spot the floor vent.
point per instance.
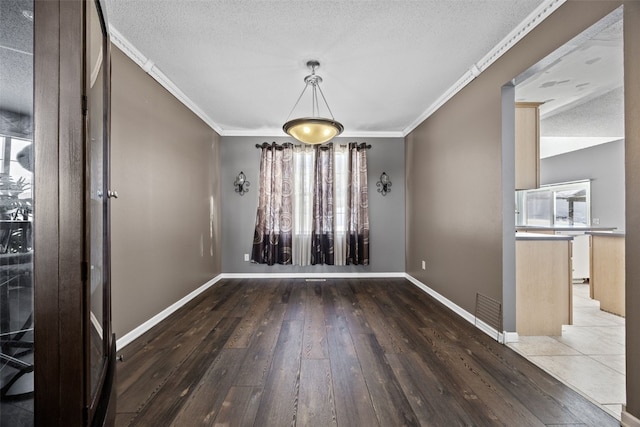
(489, 311)
(315, 280)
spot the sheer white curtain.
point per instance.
(303, 176)
(347, 202)
(340, 194)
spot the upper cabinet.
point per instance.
(527, 145)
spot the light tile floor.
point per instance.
(589, 356)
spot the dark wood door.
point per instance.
(71, 305)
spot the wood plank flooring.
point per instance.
(365, 352)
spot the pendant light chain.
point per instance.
(325, 102)
(315, 129)
(315, 108)
(298, 101)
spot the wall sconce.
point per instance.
(384, 185)
(241, 185)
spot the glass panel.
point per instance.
(571, 208)
(560, 205)
(95, 129)
(16, 213)
(539, 208)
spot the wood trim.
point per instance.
(527, 145)
(628, 420)
(60, 315)
(97, 396)
(529, 104)
(72, 219)
(47, 394)
(107, 165)
(58, 214)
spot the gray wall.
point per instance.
(508, 219)
(456, 151)
(165, 225)
(604, 165)
(454, 162)
(386, 214)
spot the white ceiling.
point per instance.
(386, 65)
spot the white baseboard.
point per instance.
(96, 323)
(135, 333)
(489, 330)
(628, 420)
(510, 337)
(492, 332)
(335, 275)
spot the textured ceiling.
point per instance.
(384, 63)
(581, 85)
(16, 57)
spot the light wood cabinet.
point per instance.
(544, 296)
(607, 280)
(527, 145)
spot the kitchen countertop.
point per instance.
(540, 236)
(585, 229)
(606, 234)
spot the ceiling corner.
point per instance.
(543, 11)
(149, 67)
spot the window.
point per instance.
(312, 205)
(15, 179)
(555, 205)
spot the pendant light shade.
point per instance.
(314, 129)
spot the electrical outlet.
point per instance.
(424, 265)
(595, 221)
(246, 257)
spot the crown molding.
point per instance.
(373, 134)
(279, 133)
(150, 68)
(543, 11)
(527, 25)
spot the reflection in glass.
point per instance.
(16, 213)
(97, 203)
(538, 208)
(571, 207)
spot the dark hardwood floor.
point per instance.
(363, 352)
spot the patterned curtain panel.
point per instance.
(272, 238)
(322, 251)
(357, 207)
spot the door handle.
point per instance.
(112, 194)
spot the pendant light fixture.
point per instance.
(313, 129)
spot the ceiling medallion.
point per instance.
(314, 129)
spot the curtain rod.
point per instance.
(367, 146)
